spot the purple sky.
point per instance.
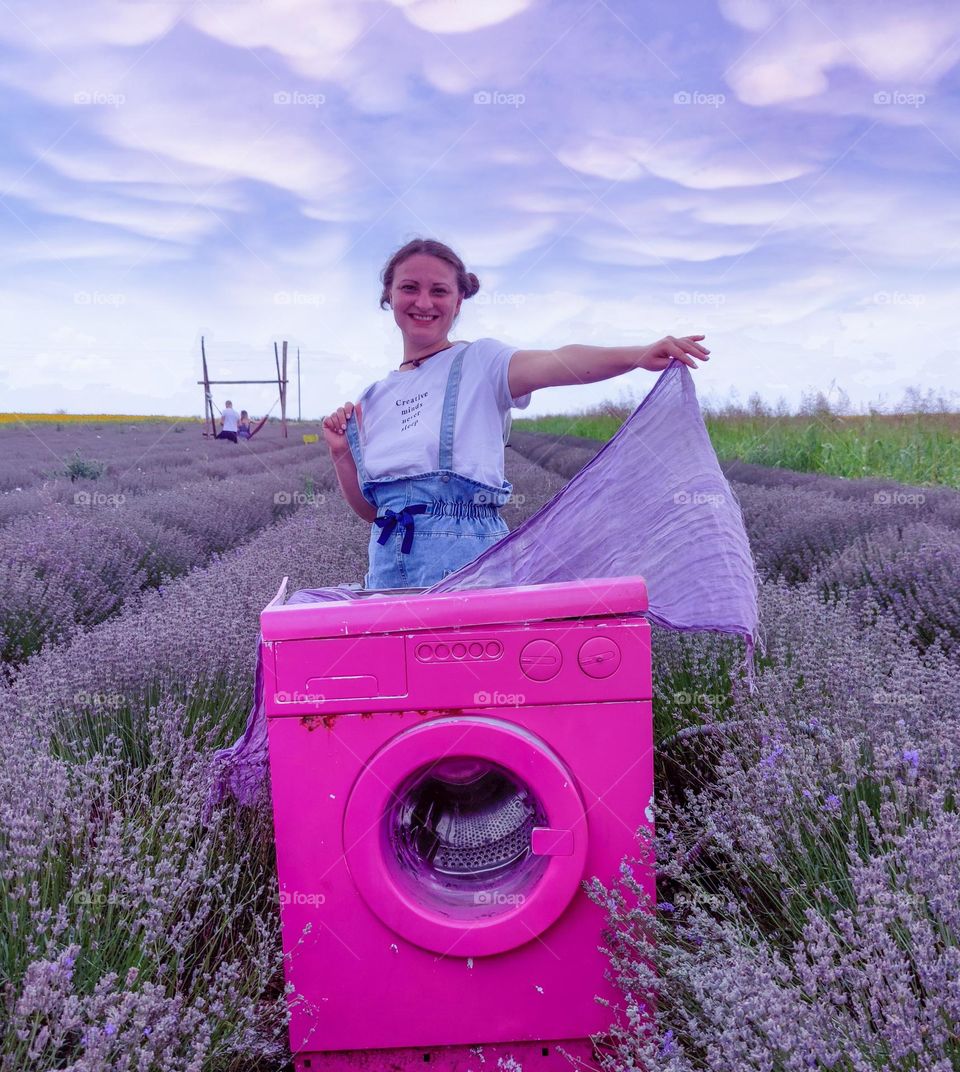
(780, 175)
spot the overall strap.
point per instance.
(448, 419)
(353, 440)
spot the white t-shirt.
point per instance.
(400, 415)
(230, 419)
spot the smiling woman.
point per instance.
(420, 455)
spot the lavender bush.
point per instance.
(76, 550)
(807, 837)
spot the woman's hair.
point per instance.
(467, 282)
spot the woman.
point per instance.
(420, 455)
(243, 429)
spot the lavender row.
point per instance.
(808, 912)
(70, 567)
(139, 474)
(760, 812)
(113, 878)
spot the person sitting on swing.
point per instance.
(420, 454)
(228, 422)
(243, 428)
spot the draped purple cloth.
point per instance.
(652, 502)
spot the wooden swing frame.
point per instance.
(280, 381)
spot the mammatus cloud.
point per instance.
(455, 17)
(242, 170)
(801, 47)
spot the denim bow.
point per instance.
(390, 520)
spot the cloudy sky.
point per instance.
(780, 175)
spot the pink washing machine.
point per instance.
(447, 770)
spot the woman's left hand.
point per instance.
(658, 355)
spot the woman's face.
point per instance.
(424, 285)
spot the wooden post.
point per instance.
(283, 393)
(207, 400)
(276, 358)
(299, 411)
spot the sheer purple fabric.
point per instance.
(652, 502)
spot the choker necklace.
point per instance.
(417, 360)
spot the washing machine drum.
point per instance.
(467, 819)
(466, 834)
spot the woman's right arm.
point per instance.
(346, 469)
(334, 429)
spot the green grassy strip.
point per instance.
(920, 449)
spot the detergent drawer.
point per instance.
(314, 672)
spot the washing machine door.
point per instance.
(466, 835)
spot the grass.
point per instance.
(913, 448)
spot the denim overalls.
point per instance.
(430, 524)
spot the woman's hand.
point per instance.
(658, 355)
(335, 427)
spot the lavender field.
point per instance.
(808, 842)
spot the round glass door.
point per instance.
(459, 837)
(466, 835)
